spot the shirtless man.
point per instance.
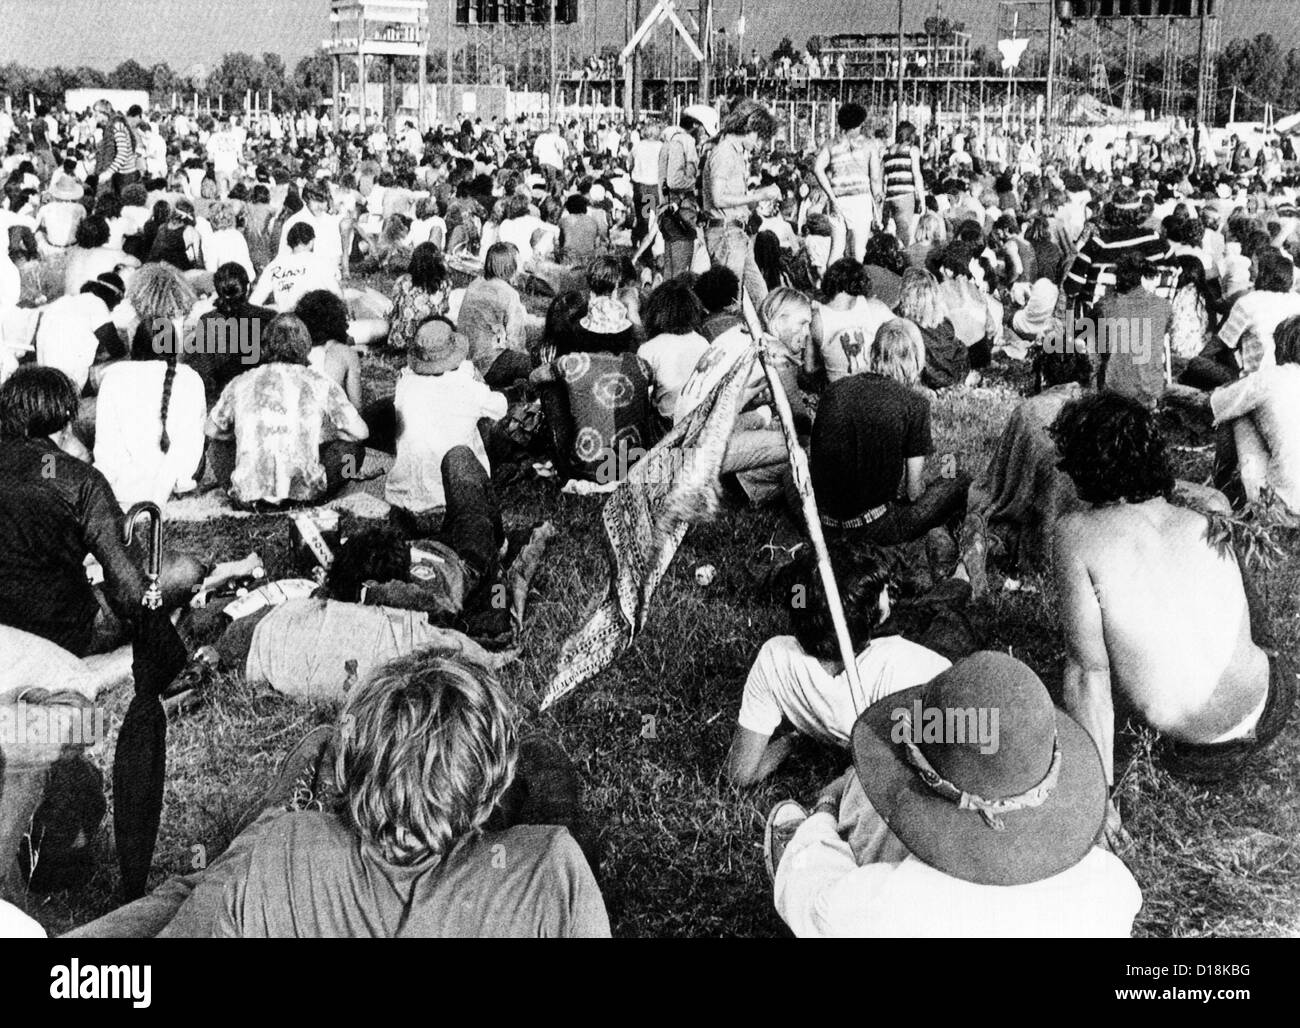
(1151, 609)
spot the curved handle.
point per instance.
(153, 594)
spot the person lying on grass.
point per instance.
(419, 815)
(386, 595)
(980, 821)
(1154, 611)
(800, 679)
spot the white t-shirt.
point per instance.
(66, 337)
(785, 682)
(550, 149)
(645, 161)
(329, 240)
(128, 427)
(672, 359)
(713, 366)
(290, 276)
(437, 412)
(519, 231)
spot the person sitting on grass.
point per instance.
(1156, 612)
(332, 353)
(597, 400)
(55, 510)
(869, 445)
(946, 361)
(958, 826)
(673, 317)
(1014, 505)
(420, 294)
(719, 292)
(1258, 420)
(800, 679)
(1132, 323)
(844, 325)
(492, 317)
(439, 406)
(389, 825)
(267, 428)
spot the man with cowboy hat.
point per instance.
(440, 406)
(57, 220)
(972, 809)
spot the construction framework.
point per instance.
(1165, 66)
(524, 45)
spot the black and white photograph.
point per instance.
(650, 469)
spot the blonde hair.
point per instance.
(779, 310)
(427, 748)
(222, 215)
(898, 351)
(919, 299)
(930, 230)
(160, 291)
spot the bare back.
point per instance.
(1173, 615)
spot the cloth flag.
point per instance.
(645, 520)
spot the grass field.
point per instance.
(681, 849)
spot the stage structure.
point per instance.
(368, 30)
(521, 44)
(1156, 58)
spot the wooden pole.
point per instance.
(555, 71)
(706, 48)
(898, 110)
(803, 485)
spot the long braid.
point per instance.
(164, 440)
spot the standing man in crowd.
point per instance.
(115, 161)
(850, 172)
(727, 197)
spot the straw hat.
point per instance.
(1014, 805)
(437, 348)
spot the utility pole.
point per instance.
(555, 72)
(1049, 119)
(706, 48)
(451, 21)
(898, 107)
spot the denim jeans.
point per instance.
(730, 246)
(903, 210)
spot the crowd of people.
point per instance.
(188, 309)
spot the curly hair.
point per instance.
(672, 309)
(847, 276)
(1111, 447)
(325, 315)
(861, 576)
(427, 748)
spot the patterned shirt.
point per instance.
(411, 308)
(278, 413)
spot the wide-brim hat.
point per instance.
(705, 115)
(606, 316)
(437, 349)
(1045, 771)
(67, 189)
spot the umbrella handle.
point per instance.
(152, 599)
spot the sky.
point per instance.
(102, 33)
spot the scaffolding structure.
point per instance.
(364, 31)
(1164, 66)
(512, 43)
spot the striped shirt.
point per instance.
(851, 165)
(899, 180)
(1093, 270)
